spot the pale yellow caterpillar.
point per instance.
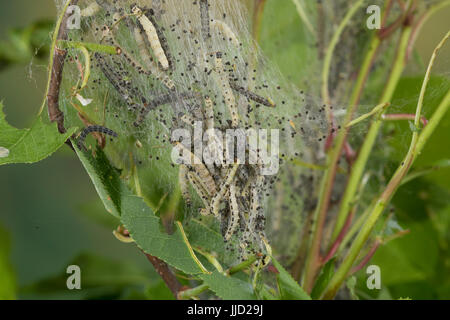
(90, 10)
(194, 180)
(209, 113)
(184, 185)
(223, 82)
(152, 36)
(205, 177)
(234, 218)
(215, 202)
(226, 31)
(149, 63)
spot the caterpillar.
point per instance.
(149, 63)
(195, 182)
(152, 36)
(204, 17)
(111, 76)
(205, 177)
(255, 207)
(252, 96)
(150, 13)
(234, 217)
(90, 129)
(183, 181)
(209, 113)
(215, 202)
(161, 100)
(226, 31)
(227, 93)
(121, 51)
(90, 10)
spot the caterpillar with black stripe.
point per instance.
(95, 128)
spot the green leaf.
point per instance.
(289, 288)
(29, 145)
(7, 277)
(105, 178)
(228, 288)
(143, 225)
(323, 279)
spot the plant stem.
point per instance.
(360, 163)
(313, 256)
(241, 266)
(377, 110)
(403, 116)
(56, 66)
(304, 17)
(166, 274)
(416, 146)
(190, 293)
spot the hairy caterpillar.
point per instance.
(227, 93)
(209, 113)
(252, 96)
(195, 182)
(226, 31)
(161, 100)
(149, 13)
(149, 63)
(90, 129)
(204, 17)
(215, 202)
(205, 177)
(234, 217)
(115, 81)
(152, 36)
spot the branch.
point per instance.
(57, 65)
(166, 274)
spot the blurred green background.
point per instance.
(47, 209)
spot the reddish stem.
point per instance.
(405, 116)
(166, 274)
(339, 239)
(54, 113)
(367, 258)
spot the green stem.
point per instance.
(94, 47)
(360, 163)
(242, 266)
(304, 17)
(377, 110)
(313, 259)
(417, 143)
(194, 292)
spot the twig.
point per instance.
(57, 66)
(335, 246)
(403, 116)
(367, 258)
(166, 274)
